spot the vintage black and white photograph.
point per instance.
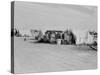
(50, 37)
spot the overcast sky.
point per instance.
(47, 16)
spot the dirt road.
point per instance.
(34, 57)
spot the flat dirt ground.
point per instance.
(38, 57)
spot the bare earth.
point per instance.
(37, 57)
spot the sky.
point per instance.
(48, 16)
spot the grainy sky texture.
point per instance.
(48, 16)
